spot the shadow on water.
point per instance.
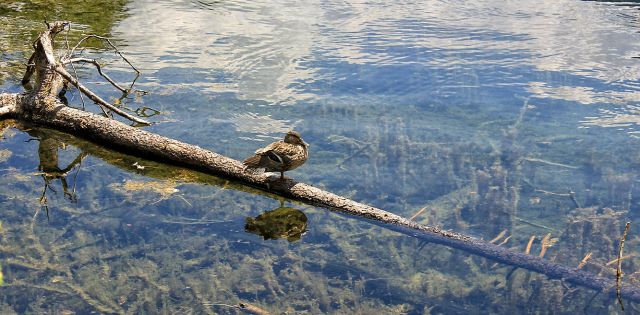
(282, 222)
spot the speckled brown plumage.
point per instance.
(280, 156)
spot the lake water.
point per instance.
(492, 116)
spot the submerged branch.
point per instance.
(619, 267)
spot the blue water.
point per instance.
(516, 115)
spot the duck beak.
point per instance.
(305, 144)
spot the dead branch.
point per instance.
(247, 308)
(99, 68)
(40, 106)
(499, 236)
(252, 309)
(51, 74)
(31, 68)
(94, 97)
(584, 260)
(415, 215)
(528, 248)
(106, 39)
(619, 268)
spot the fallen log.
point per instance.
(41, 106)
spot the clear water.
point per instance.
(494, 115)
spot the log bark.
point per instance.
(41, 106)
(8, 105)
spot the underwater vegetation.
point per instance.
(164, 239)
(85, 229)
(282, 222)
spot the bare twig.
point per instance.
(619, 268)
(615, 261)
(110, 44)
(68, 59)
(499, 236)
(75, 73)
(67, 76)
(68, 55)
(546, 242)
(534, 224)
(99, 68)
(553, 193)
(584, 260)
(572, 195)
(362, 149)
(251, 309)
(418, 213)
(505, 240)
(528, 249)
(523, 110)
(31, 68)
(550, 163)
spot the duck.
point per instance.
(280, 156)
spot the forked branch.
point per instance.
(99, 68)
(51, 72)
(94, 97)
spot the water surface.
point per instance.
(511, 116)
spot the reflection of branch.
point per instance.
(43, 203)
(77, 161)
(48, 154)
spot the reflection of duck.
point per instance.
(278, 223)
(280, 156)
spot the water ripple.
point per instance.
(281, 51)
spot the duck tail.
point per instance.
(252, 162)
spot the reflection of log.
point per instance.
(41, 106)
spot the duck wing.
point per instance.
(271, 157)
